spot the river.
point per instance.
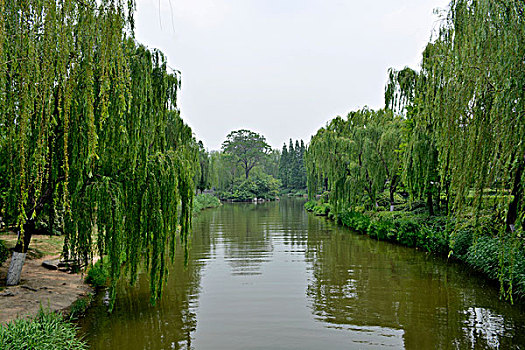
(271, 276)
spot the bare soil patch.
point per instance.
(52, 289)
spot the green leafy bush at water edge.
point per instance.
(500, 261)
(259, 186)
(204, 201)
(438, 235)
(79, 307)
(319, 209)
(47, 330)
(98, 275)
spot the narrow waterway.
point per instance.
(271, 276)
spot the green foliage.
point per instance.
(356, 159)
(90, 133)
(80, 306)
(292, 170)
(461, 241)
(46, 331)
(309, 206)
(246, 148)
(356, 221)
(451, 141)
(503, 261)
(202, 174)
(4, 253)
(261, 186)
(318, 208)
(98, 274)
(204, 201)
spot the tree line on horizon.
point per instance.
(247, 167)
(292, 170)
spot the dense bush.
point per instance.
(203, 201)
(260, 186)
(499, 260)
(44, 332)
(354, 220)
(4, 253)
(461, 240)
(319, 209)
(440, 235)
(98, 275)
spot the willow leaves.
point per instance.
(90, 137)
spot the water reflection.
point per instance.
(136, 324)
(359, 281)
(246, 235)
(271, 276)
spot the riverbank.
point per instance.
(43, 292)
(484, 253)
(52, 289)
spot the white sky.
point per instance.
(282, 68)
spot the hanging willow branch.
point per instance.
(90, 134)
(463, 127)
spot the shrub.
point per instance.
(309, 206)
(4, 253)
(382, 230)
(47, 330)
(485, 254)
(98, 275)
(204, 201)
(354, 220)
(259, 186)
(460, 243)
(322, 209)
(407, 231)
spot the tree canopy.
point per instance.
(292, 171)
(452, 134)
(90, 135)
(246, 148)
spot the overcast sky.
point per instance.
(282, 68)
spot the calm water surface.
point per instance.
(271, 276)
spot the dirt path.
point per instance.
(39, 286)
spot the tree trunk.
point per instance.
(19, 254)
(430, 202)
(517, 193)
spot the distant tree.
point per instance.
(292, 171)
(247, 148)
(270, 165)
(203, 176)
(291, 161)
(284, 166)
(302, 167)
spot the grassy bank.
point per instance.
(476, 246)
(47, 330)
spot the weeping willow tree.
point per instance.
(468, 100)
(357, 158)
(465, 121)
(90, 136)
